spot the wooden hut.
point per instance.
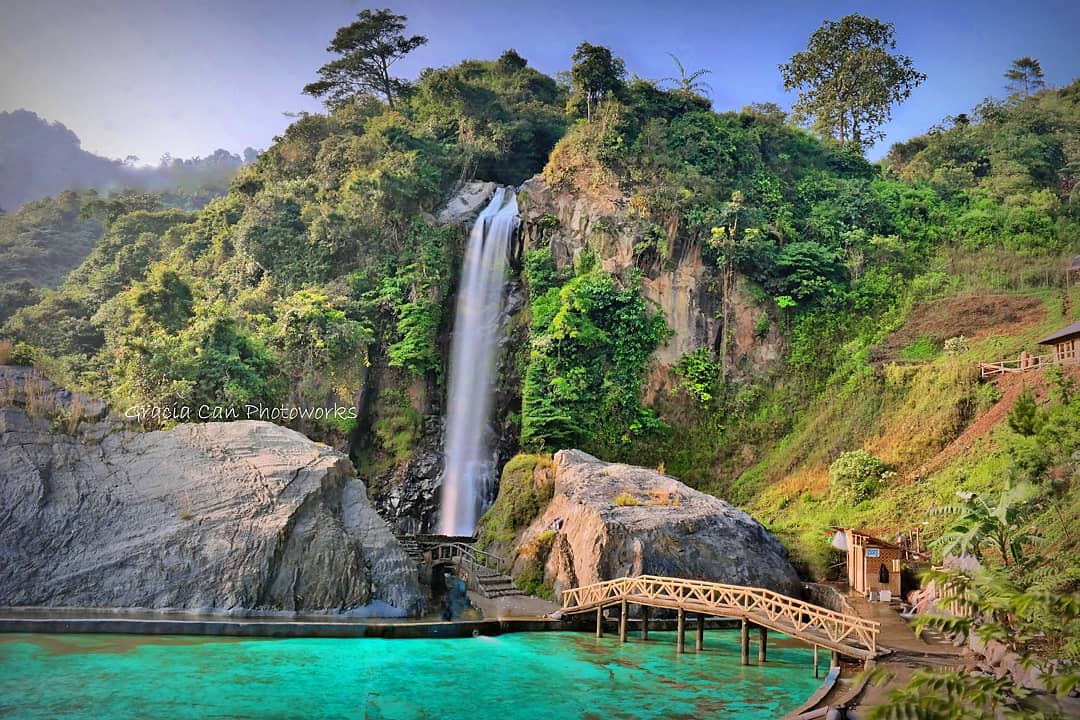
(873, 564)
(1065, 342)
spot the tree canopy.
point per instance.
(1025, 76)
(595, 73)
(368, 48)
(848, 79)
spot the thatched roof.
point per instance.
(1062, 334)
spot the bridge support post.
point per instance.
(600, 621)
(835, 659)
(815, 663)
(622, 621)
(680, 643)
(763, 641)
(699, 643)
(744, 640)
(644, 622)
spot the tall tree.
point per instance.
(848, 79)
(689, 83)
(368, 48)
(1025, 76)
(595, 73)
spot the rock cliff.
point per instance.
(223, 516)
(677, 280)
(608, 520)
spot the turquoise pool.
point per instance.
(523, 676)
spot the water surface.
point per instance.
(522, 676)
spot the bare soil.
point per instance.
(974, 317)
(1009, 385)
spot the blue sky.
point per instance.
(187, 77)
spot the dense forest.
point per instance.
(322, 277)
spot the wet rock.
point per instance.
(465, 203)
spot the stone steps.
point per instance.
(497, 585)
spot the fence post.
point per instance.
(744, 640)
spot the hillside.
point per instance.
(721, 294)
(40, 159)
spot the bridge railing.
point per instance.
(780, 611)
(458, 551)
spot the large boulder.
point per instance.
(610, 520)
(225, 516)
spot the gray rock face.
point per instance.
(675, 531)
(224, 516)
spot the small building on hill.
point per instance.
(1065, 343)
(873, 564)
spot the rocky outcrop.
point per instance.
(608, 520)
(678, 282)
(465, 203)
(225, 516)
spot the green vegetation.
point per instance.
(40, 244)
(320, 278)
(525, 488)
(1038, 626)
(589, 348)
(317, 275)
(368, 47)
(849, 81)
(856, 476)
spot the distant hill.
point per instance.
(39, 159)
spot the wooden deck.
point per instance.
(847, 634)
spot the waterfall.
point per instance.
(470, 467)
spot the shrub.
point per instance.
(857, 475)
(626, 499)
(22, 354)
(1024, 417)
(956, 345)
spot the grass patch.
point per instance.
(922, 349)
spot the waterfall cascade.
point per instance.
(469, 470)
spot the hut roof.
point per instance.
(1061, 334)
(870, 539)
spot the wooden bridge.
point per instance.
(842, 633)
(482, 571)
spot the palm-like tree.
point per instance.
(690, 83)
(982, 522)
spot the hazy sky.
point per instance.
(145, 77)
